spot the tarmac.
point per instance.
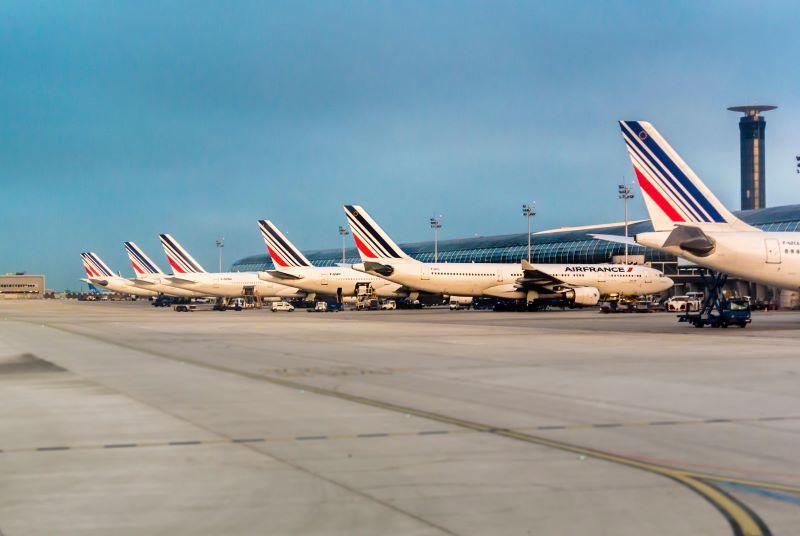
(119, 418)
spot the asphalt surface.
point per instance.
(120, 418)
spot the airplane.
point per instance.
(690, 222)
(582, 284)
(150, 277)
(294, 269)
(190, 275)
(100, 275)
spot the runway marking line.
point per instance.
(742, 520)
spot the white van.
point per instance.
(282, 306)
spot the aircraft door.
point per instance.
(425, 272)
(773, 250)
(499, 275)
(324, 280)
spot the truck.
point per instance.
(729, 312)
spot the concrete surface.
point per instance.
(120, 418)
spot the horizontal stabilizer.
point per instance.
(143, 282)
(615, 238)
(180, 280)
(691, 239)
(378, 268)
(283, 275)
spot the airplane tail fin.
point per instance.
(282, 251)
(179, 258)
(141, 263)
(372, 241)
(94, 265)
(673, 193)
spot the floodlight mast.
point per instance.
(529, 211)
(436, 224)
(343, 232)
(624, 193)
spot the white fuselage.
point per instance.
(335, 279)
(762, 257)
(501, 280)
(233, 285)
(121, 285)
(159, 284)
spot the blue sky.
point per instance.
(122, 120)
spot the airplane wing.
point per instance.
(533, 278)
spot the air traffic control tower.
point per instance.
(751, 138)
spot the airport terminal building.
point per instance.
(21, 286)
(566, 245)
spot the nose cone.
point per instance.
(665, 283)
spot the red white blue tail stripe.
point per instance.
(372, 241)
(667, 181)
(140, 262)
(179, 258)
(94, 266)
(282, 251)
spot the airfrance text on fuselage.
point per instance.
(621, 269)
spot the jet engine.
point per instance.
(583, 295)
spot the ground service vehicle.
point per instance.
(682, 303)
(730, 312)
(324, 307)
(389, 305)
(282, 306)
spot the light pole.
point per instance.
(343, 232)
(624, 193)
(436, 224)
(529, 211)
(220, 245)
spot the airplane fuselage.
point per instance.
(121, 285)
(501, 280)
(159, 284)
(232, 285)
(769, 258)
(329, 280)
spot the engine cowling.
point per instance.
(583, 295)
